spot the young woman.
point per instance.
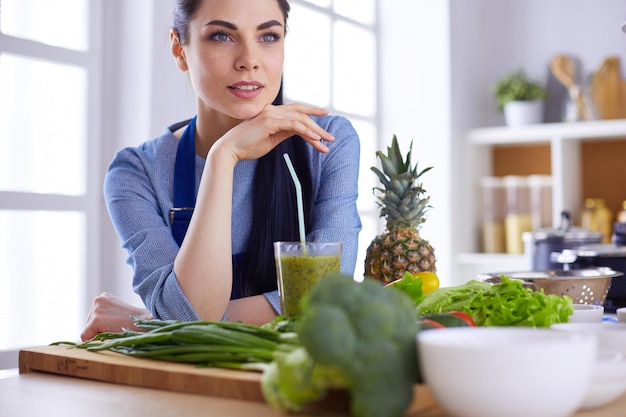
(199, 207)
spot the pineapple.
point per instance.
(403, 203)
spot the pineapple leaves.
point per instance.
(389, 166)
(401, 197)
(382, 177)
(395, 156)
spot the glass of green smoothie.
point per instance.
(299, 266)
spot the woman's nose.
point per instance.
(247, 59)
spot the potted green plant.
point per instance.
(520, 98)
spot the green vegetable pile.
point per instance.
(505, 304)
(359, 337)
(354, 336)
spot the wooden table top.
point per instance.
(39, 394)
(58, 381)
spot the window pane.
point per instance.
(59, 23)
(354, 69)
(307, 57)
(367, 179)
(42, 126)
(41, 277)
(363, 11)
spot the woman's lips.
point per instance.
(246, 89)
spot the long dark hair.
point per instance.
(275, 215)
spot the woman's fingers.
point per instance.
(257, 136)
(294, 119)
(313, 131)
(110, 314)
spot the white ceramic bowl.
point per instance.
(621, 314)
(587, 313)
(611, 336)
(609, 375)
(505, 371)
(608, 381)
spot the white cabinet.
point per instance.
(564, 140)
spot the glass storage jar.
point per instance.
(518, 215)
(493, 214)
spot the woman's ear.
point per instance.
(177, 51)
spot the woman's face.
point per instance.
(234, 55)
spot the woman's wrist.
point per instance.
(220, 154)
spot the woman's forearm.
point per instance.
(253, 310)
(203, 266)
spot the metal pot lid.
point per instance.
(601, 272)
(607, 250)
(571, 235)
(565, 233)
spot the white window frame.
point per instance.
(91, 202)
(369, 211)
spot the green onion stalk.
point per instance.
(204, 343)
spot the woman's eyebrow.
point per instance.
(228, 25)
(223, 23)
(269, 24)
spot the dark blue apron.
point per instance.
(185, 195)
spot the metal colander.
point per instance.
(584, 286)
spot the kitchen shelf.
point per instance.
(565, 155)
(547, 132)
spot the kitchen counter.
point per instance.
(61, 381)
(39, 394)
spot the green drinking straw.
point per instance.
(296, 182)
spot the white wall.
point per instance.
(415, 76)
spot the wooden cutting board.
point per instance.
(608, 90)
(120, 369)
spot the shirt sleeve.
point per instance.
(132, 198)
(336, 217)
(273, 298)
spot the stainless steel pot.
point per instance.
(612, 255)
(544, 244)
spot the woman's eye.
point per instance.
(220, 36)
(270, 37)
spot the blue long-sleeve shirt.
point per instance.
(138, 191)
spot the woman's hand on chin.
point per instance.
(255, 137)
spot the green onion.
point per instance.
(204, 343)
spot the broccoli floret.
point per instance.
(356, 336)
(293, 380)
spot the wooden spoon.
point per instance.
(606, 89)
(564, 70)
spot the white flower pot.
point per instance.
(522, 113)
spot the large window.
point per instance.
(331, 61)
(49, 192)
